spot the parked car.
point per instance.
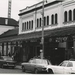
(66, 67)
(36, 65)
(6, 61)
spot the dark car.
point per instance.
(6, 61)
(36, 65)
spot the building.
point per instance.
(59, 31)
(58, 15)
(7, 24)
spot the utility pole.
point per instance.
(42, 39)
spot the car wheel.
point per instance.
(50, 71)
(23, 69)
(36, 71)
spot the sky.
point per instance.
(17, 5)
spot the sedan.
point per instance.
(66, 67)
(6, 61)
(36, 65)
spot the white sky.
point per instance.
(16, 6)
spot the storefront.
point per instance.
(59, 45)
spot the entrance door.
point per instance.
(37, 52)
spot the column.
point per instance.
(11, 48)
(2, 48)
(7, 49)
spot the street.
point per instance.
(11, 71)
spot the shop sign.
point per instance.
(61, 39)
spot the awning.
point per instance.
(58, 32)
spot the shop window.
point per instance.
(47, 20)
(52, 19)
(70, 15)
(56, 18)
(74, 14)
(65, 16)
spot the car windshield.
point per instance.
(39, 61)
(63, 63)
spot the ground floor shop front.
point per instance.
(59, 45)
(56, 49)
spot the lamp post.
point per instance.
(42, 39)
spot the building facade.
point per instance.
(59, 31)
(57, 15)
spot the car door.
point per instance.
(32, 65)
(68, 68)
(60, 68)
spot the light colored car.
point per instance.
(6, 61)
(66, 67)
(36, 65)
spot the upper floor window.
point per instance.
(70, 15)
(37, 23)
(44, 21)
(40, 22)
(22, 26)
(27, 25)
(52, 19)
(56, 17)
(65, 16)
(47, 20)
(74, 14)
(32, 24)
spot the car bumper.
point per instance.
(9, 64)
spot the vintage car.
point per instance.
(36, 65)
(6, 61)
(66, 67)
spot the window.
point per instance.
(22, 26)
(52, 19)
(56, 18)
(37, 23)
(27, 25)
(65, 16)
(70, 64)
(70, 15)
(44, 21)
(47, 20)
(32, 24)
(74, 14)
(40, 22)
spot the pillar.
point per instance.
(2, 48)
(7, 49)
(11, 48)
